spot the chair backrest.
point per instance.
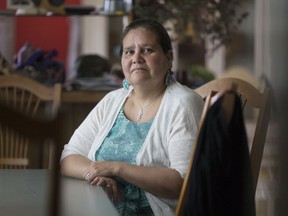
(34, 99)
(258, 100)
(39, 132)
(208, 184)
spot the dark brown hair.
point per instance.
(153, 26)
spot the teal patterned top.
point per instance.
(123, 143)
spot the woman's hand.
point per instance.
(103, 168)
(163, 182)
(109, 185)
(101, 174)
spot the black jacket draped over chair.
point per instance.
(221, 179)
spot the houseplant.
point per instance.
(195, 19)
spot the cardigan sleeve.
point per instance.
(83, 137)
(183, 133)
(95, 124)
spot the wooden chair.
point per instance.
(38, 132)
(185, 205)
(257, 100)
(34, 99)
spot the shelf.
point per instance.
(66, 10)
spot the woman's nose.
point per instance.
(137, 58)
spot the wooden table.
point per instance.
(24, 192)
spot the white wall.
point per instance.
(278, 39)
(7, 37)
(95, 35)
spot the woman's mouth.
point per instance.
(138, 69)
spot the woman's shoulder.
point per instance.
(182, 92)
(181, 101)
(182, 97)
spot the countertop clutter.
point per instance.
(58, 7)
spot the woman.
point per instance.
(137, 141)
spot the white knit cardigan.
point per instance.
(168, 143)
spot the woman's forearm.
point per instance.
(163, 182)
(75, 165)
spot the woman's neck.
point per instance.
(145, 95)
(146, 103)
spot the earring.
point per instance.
(169, 78)
(125, 84)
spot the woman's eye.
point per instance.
(147, 50)
(128, 52)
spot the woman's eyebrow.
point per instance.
(141, 45)
(128, 48)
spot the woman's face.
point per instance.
(143, 60)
